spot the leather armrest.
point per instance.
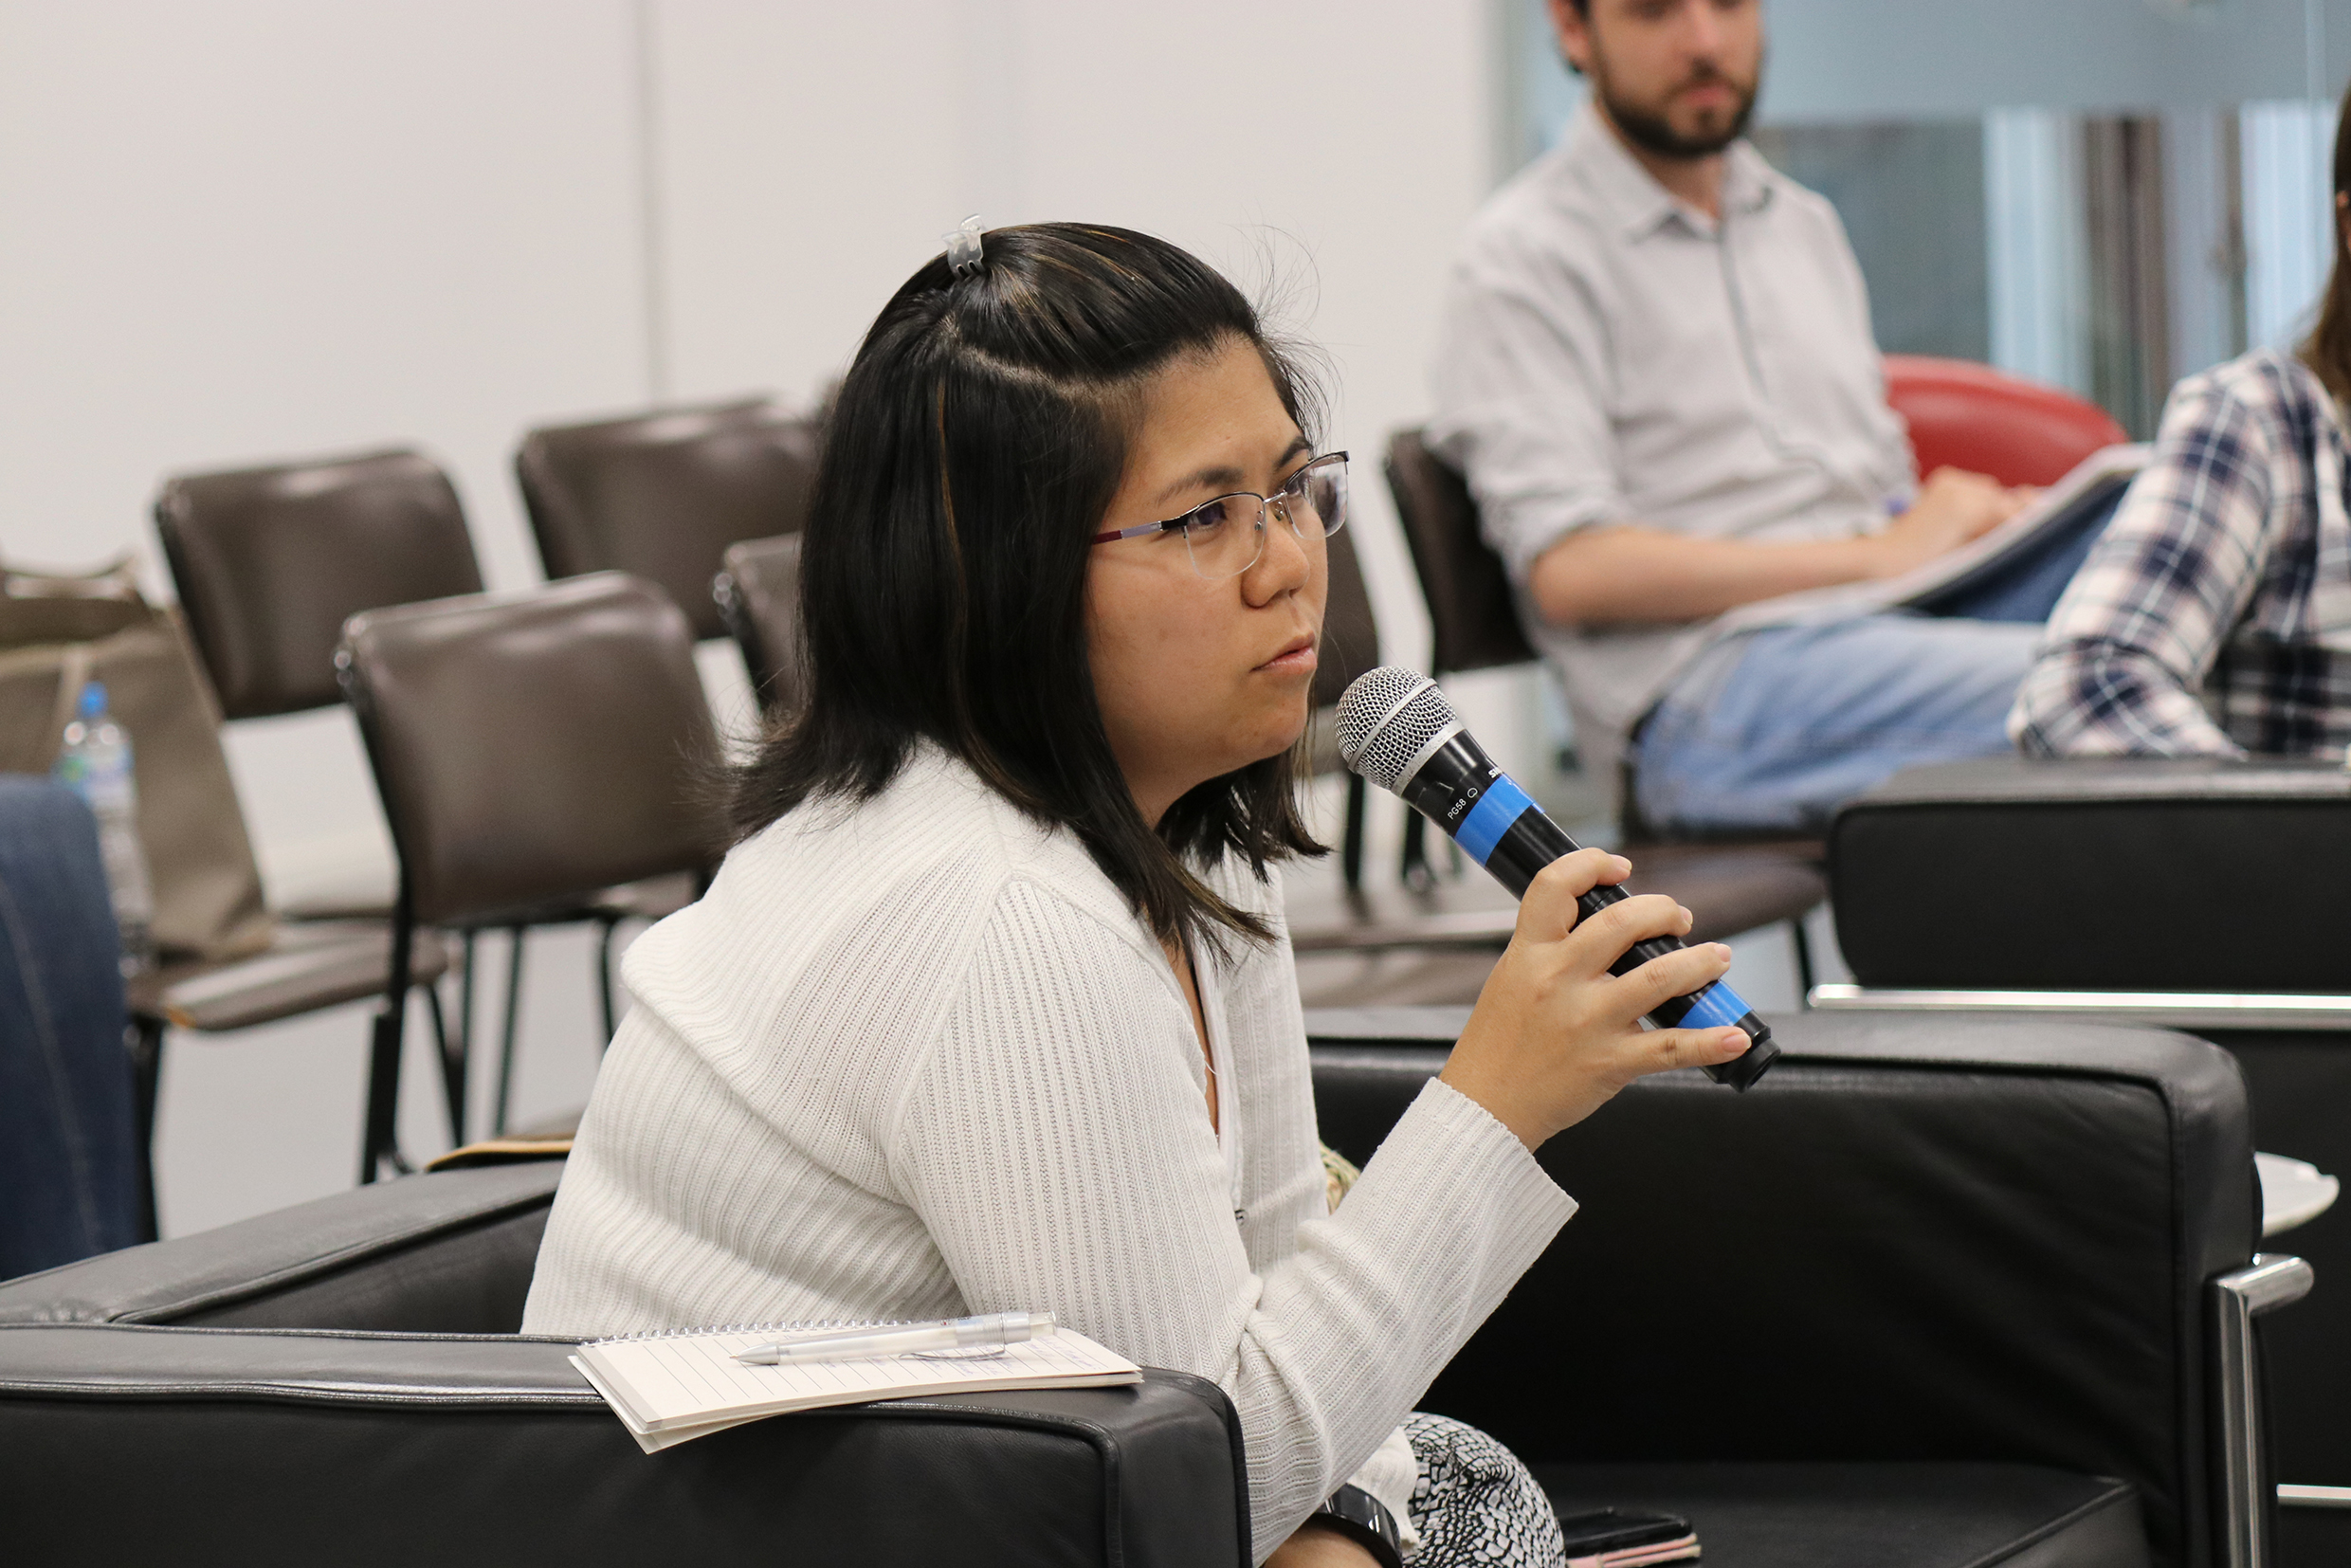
(1913, 1240)
(281, 1269)
(271, 1447)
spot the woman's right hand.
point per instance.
(1554, 1035)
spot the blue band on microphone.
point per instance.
(1501, 805)
(1716, 1006)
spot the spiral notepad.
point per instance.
(673, 1387)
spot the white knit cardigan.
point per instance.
(919, 1058)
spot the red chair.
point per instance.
(1966, 415)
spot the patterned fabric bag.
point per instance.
(1475, 1506)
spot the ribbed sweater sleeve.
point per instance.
(1054, 1143)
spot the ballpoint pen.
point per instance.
(993, 1331)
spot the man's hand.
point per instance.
(1954, 507)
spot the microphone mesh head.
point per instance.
(1385, 719)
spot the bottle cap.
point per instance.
(94, 699)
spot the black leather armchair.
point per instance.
(339, 1382)
(2207, 895)
(1930, 1295)
(1933, 1293)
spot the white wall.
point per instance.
(238, 229)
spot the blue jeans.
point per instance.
(70, 1168)
(1771, 731)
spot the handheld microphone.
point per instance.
(1398, 730)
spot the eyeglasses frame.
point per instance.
(1182, 523)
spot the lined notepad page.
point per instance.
(665, 1383)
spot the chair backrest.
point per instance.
(758, 598)
(2153, 835)
(663, 494)
(1350, 635)
(269, 563)
(535, 748)
(1966, 415)
(1350, 647)
(1473, 617)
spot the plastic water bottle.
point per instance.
(95, 763)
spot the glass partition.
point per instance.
(2106, 194)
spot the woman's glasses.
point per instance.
(1225, 536)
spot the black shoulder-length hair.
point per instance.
(972, 452)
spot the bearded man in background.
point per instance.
(1656, 372)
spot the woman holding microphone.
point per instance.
(992, 1008)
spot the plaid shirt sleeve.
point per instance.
(2129, 646)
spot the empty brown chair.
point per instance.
(663, 494)
(532, 750)
(1473, 615)
(758, 598)
(269, 562)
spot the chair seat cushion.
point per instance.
(1731, 887)
(1874, 1516)
(310, 965)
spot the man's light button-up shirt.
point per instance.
(1610, 355)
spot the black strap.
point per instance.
(1365, 1519)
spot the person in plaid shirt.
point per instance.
(2213, 615)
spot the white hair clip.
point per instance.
(963, 248)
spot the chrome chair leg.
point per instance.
(2248, 1502)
